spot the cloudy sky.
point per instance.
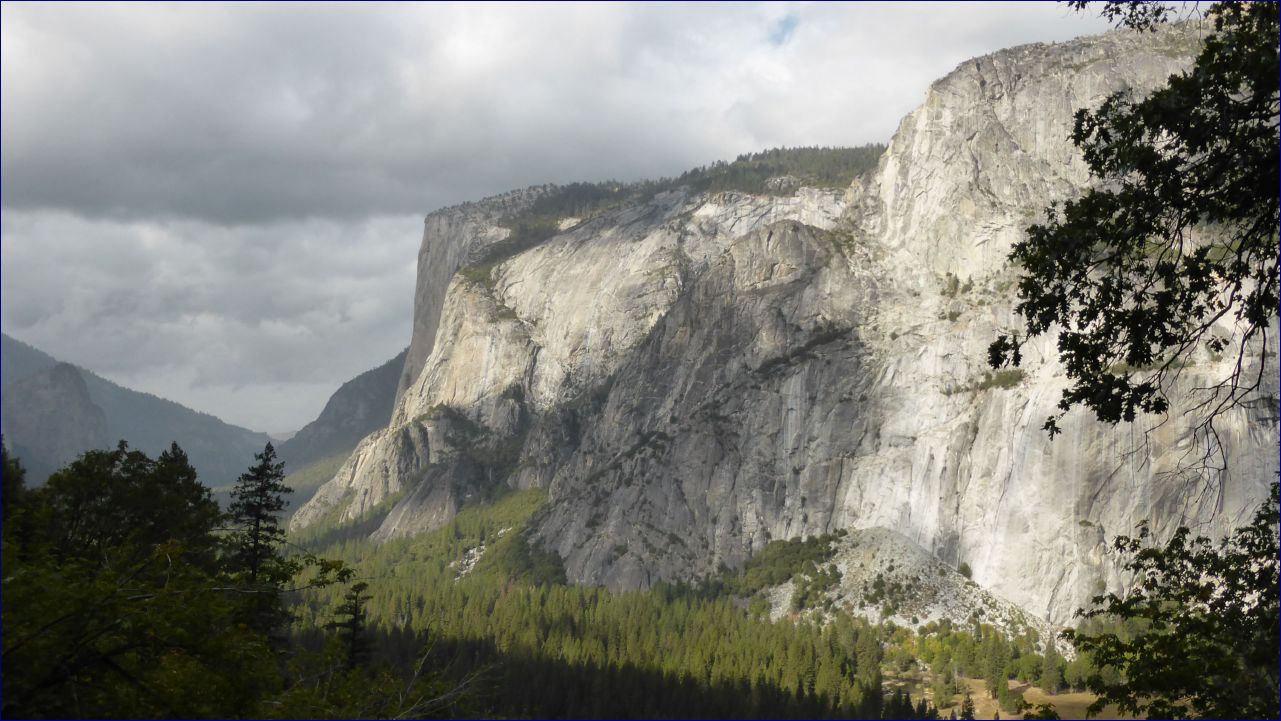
(221, 204)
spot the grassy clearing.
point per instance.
(1069, 705)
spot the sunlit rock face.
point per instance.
(695, 375)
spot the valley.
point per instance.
(479, 597)
(815, 432)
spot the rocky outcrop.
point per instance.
(548, 331)
(450, 237)
(694, 375)
(49, 419)
(884, 576)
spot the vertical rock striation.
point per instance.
(694, 375)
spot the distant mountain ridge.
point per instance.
(359, 407)
(47, 420)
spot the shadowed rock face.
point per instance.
(49, 419)
(218, 450)
(695, 375)
(361, 406)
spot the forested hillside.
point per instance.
(483, 600)
(128, 591)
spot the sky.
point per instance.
(221, 204)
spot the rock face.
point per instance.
(694, 375)
(450, 237)
(49, 419)
(359, 407)
(886, 577)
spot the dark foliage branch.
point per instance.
(1179, 234)
(1202, 639)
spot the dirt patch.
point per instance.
(1071, 705)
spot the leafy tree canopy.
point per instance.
(123, 598)
(1200, 626)
(113, 604)
(1178, 236)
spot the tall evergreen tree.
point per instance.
(351, 625)
(996, 656)
(255, 546)
(257, 501)
(1051, 680)
(944, 687)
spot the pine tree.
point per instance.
(255, 555)
(1051, 680)
(967, 707)
(996, 656)
(944, 688)
(351, 625)
(257, 501)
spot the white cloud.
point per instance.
(255, 324)
(221, 203)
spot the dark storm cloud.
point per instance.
(250, 113)
(234, 321)
(221, 203)
(244, 114)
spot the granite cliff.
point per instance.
(691, 374)
(50, 418)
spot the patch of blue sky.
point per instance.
(783, 29)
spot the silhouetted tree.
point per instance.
(1179, 232)
(352, 619)
(255, 546)
(1203, 622)
(113, 603)
(12, 476)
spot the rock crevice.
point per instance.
(695, 375)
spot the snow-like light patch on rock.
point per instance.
(925, 589)
(469, 560)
